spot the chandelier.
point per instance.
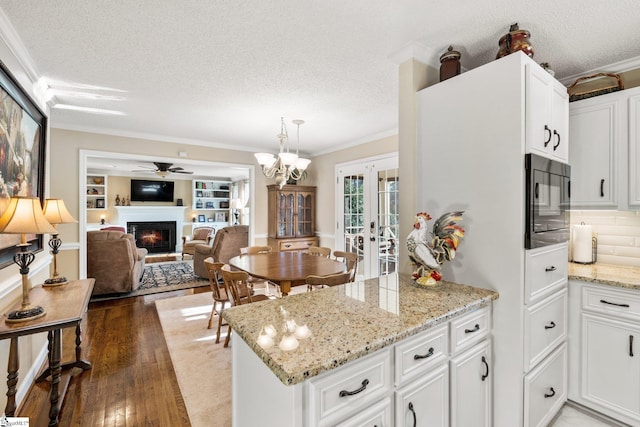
(287, 165)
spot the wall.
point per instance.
(32, 349)
(618, 234)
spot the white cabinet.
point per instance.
(611, 364)
(212, 201)
(595, 142)
(425, 402)
(471, 383)
(634, 151)
(495, 138)
(604, 147)
(545, 389)
(547, 112)
(604, 354)
(96, 189)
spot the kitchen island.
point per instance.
(354, 359)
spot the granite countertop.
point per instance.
(350, 321)
(606, 274)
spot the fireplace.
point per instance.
(155, 236)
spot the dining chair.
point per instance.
(351, 261)
(219, 292)
(330, 280)
(320, 251)
(239, 290)
(262, 283)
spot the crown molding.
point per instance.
(616, 67)
(13, 41)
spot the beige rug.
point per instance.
(203, 368)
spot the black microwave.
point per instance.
(548, 194)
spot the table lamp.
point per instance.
(236, 205)
(24, 216)
(55, 212)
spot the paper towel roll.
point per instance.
(582, 251)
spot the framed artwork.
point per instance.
(22, 146)
(201, 218)
(209, 219)
(100, 203)
(221, 217)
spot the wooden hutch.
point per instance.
(291, 217)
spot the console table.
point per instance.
(64, 305)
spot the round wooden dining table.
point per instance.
(286, 269)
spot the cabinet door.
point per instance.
(424, 402)
(593, 152)
(547, 115)
(471, 381)
(634, 151)
(304, 214)
(611, 365)
(285, 214)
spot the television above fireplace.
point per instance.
(143, 190)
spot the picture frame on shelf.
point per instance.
(100, 203)
(201, 218)
(22, 171)
(209, 205)
(198, 193)
(209, 219)
(221, 217)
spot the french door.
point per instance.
(367, 213)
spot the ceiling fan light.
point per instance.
(301, 164)
(265, 159)
(288, 159)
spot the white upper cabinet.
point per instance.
(605, 141)
(547, 124)
(594, 144)
(634, 151)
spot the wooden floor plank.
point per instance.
(132, 381)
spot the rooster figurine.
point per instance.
(428, 251)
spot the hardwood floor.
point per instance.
(132, 381)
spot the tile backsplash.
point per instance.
(618, 234)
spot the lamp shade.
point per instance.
(24, 216)
(265, 159)
(55, 212)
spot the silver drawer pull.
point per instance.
(548, 269)
(344, 393)
(614, 303)
(424, 356)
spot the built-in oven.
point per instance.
(548, 184)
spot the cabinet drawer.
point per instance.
(612, 301)
(545, 271)
(376, 415)
(344, 391)
(545, 326)
(297, 245)
(545, 389)
(470, 329)
(420, 353)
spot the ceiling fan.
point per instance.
(163, 169)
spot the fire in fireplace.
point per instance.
(155, 236)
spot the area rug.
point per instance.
(202, 367)
(162, 277)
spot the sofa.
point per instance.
(226, 244)
(114, 261)
(200, 236)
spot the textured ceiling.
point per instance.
(223, 72)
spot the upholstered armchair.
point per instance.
(200, 236)
(226, 244)
(114, 261)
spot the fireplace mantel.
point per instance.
(152, 213)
